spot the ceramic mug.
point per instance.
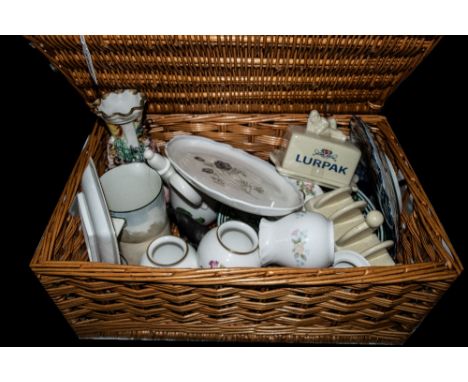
(134, 192)
(301, 239)
(232, 244)
(170, 252)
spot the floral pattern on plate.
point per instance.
(222, 171)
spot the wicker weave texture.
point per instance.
(242, 74)
(358, 305)
(349, 313)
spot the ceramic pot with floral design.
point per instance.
(232, 244)
(122, 110)
(301, 239)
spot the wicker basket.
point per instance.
(245, 90)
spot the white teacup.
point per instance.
(170, 252)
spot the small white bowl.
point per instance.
(232, 244)
(170, 252)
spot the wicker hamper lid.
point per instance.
(241, 74)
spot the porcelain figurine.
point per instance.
(122, 110)
(232, 244)
(301, 239)
(170, 252)
(324, 126)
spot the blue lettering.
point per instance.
(318, 163)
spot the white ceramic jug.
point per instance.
(301, 239)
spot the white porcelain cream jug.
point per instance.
(301, 239)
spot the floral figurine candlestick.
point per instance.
(122, 110)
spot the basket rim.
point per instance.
(267, 276)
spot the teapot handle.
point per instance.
(185, 189)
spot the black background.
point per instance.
(47, 123)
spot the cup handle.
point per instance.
(185, 189)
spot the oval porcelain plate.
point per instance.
(233, 177)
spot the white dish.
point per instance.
(349, 259)
(396, 184)
(87, 228)
(102, 239)
(233, 177)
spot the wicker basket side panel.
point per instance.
(62, 239)
(423, 237)
(347, 314)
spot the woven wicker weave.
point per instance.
(358, 305)
(242, 74)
